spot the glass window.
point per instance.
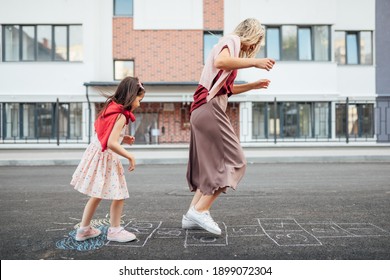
(340, 47)
(321, 43)
(11, 44)
(75, 119)
(273, 120)
(210, 38)
(63, 120)
(321, 118)
(61, 43)
(76, 51)
(37, 42)
(123, 7)
(28, 120)
(12, 120)
(304, 43)
(365, 48)
(273, 43)
(28, 43)
(289, 42)
(45, 120)
(352, 48)
(290, 120)
(360, 120)
(259, 120)
(305, 121)
(123, 68)
(44, 38)
(367, 120)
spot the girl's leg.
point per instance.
(89, 210)
(116, 212)
(116, 232)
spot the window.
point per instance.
(358, 123)
(353, 47)
(41, 121)
(42, 43)
(289, 42)
(210, 38)
(292, 43)
(273, 43)
(321, 43)
(291, 120)
(304, 44)
(123, 68)
(123, 8)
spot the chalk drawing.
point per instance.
(169, 233)
(143, 231)
(245, 231)
(204, 238)
(281, 231)
(287, 232)
(70, 243)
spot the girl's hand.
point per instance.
(127, 139)
(131, 163)
(263, 83)
(265, 63)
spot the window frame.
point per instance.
(358, 47)
(21, 43)
(123, 15)
(282, 56)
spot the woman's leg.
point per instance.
(89, 210)
(204, 202)
(116, 210)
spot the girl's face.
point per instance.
(137, 102)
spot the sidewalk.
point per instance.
(178, 154)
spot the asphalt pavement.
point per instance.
(280, 211)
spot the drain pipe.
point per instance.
(89, 113)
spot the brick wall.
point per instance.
(213, 14)
(159, 55)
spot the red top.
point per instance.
(201, 92)
(106, 120)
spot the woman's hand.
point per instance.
(265, 63)
(263, 83)
(131, 162)
(127, 139)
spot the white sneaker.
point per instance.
(204, 220)
(188, 224)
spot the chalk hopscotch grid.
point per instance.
(287, 232)
(346, 231)
(205, 238)
(282, 231)
(134, 243)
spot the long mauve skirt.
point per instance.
(216, 159)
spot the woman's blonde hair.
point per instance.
(251, 33)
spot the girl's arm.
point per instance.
(114, 144)
(263, 83)
(225, 62)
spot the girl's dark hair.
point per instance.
(128, 89)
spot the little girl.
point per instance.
(100, 173)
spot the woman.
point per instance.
(216, 159)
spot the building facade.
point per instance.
(57, 60)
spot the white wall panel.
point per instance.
(168, 14)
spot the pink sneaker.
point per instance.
(84, 234)
(120, 235)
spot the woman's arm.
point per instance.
(114, 144)
(263, 83)
(225, 62)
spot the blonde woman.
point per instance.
(216, 160)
